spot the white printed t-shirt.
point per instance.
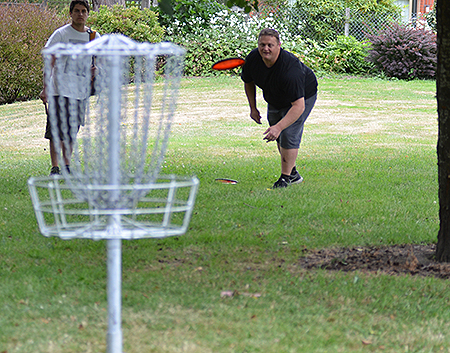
(73, 75)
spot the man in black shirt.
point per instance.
(290, 89)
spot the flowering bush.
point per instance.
(226, 34)
(404, 52)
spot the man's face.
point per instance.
(269, 49)
(79, 15)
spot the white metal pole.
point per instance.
(114, 264)
(347, 22)
(114, 292)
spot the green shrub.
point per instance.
(24, 30)
(345, 55)
(140, 25)
(404, 52)
(189, 15)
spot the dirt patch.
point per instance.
(393, 260)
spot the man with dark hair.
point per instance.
(290, 89)
(66, 100)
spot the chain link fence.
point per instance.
(320, 26)
(357, 23)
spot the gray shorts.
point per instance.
(290, 137)
(69, 117)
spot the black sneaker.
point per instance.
(295, 177)
(55, 171)
(282, 182)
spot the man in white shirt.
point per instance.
(69, 99)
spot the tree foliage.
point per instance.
(189, 15)
(140, 25)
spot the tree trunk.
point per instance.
(443, 146)
(97, 3)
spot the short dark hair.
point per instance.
(85, 3)
(269, 32)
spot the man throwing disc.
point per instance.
(290, 89)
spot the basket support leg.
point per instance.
(114, 292)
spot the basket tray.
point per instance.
(155, 210)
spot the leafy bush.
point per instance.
(343, 55)
(22, 38)
(140, 25)
(346, 55)
(404, 52)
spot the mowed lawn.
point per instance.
(233, 283)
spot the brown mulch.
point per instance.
(394, 260)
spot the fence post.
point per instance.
(347, 22)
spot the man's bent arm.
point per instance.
(297, 109)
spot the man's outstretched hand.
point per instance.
(272, 133)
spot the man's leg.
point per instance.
(288, 158)
(73, 124)
(53, 154)
(54, 159)
(66, 152)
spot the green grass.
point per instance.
(368, 157)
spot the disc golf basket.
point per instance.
(113, 189)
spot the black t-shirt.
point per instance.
(283, 83)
